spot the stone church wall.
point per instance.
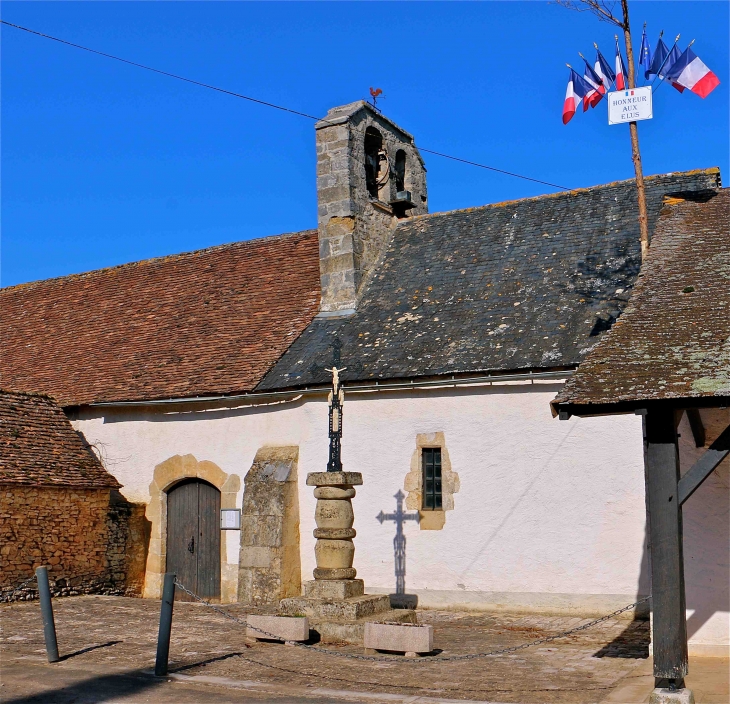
(91, 544)
(549, 516)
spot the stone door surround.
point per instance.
(165, 476)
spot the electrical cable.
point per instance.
(261, 102)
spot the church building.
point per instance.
(202, 380)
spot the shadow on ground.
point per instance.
(633, 642)
(101, 688)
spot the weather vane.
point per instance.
(375, 93)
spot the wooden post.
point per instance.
(669, 633)
(634, 130)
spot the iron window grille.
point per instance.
(431, 463)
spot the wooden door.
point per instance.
(193, 538)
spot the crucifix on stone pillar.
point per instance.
(399, 542)
(336, 400)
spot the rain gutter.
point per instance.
(263, 397)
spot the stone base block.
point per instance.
(667, 696)
(336, 609)
(400, 637)
(353, 631)
(334, 589)
(334, 479)
(286, 628)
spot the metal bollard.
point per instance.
(163, 636)
(49, 625)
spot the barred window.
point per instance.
(431, 463)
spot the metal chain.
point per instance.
(446, 658)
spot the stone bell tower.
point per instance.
(369, 176)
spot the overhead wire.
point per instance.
(265, 103)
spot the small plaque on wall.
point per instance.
(230, 519)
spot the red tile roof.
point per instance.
(207, 322)
(673, 340)
(38, 446)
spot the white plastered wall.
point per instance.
(550, 515)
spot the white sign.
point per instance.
(230, 519)
(629, 105)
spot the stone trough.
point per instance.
(284, 628)
(398, 637)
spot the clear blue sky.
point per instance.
(103, 163)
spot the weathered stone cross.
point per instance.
(399, 542)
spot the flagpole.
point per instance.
(634, 131)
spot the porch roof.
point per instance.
(672, 344)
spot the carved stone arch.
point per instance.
(165, 476)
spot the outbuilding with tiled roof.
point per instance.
(668, 360)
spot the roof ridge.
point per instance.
(155, 260)
(573, 191)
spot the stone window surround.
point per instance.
(165, 476)
(413, 485)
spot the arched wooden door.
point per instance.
(194, 537)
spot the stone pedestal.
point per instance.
(335, 601)
(668, 696)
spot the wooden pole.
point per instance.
(634, 130)
(669, 627)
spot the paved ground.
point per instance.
(108, 644)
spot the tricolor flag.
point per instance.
(604, 70)
(574, 94)
(620, 79)
(674, 55)
(658, 60)
(645, 53)
(688, 71)
(597, 89)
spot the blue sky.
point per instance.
(103, 163)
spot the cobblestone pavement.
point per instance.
(102, 637)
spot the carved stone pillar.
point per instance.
(334, 550)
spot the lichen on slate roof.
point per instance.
(207, 322)
(523, 285)
(673, 340)
(39, 447)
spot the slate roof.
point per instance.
(523, 285)
(673, 340)
(39, 447)
(207, 322)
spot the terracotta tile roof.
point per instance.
(673, 340)
(38, 446)
(524, 285)
(207, 322)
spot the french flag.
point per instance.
(603, 69)
(620, 79)
(671, 60)
(574, 94)
(597, 89)
(690, 72)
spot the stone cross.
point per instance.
(399, 542)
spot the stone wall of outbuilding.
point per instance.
(91, 540)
